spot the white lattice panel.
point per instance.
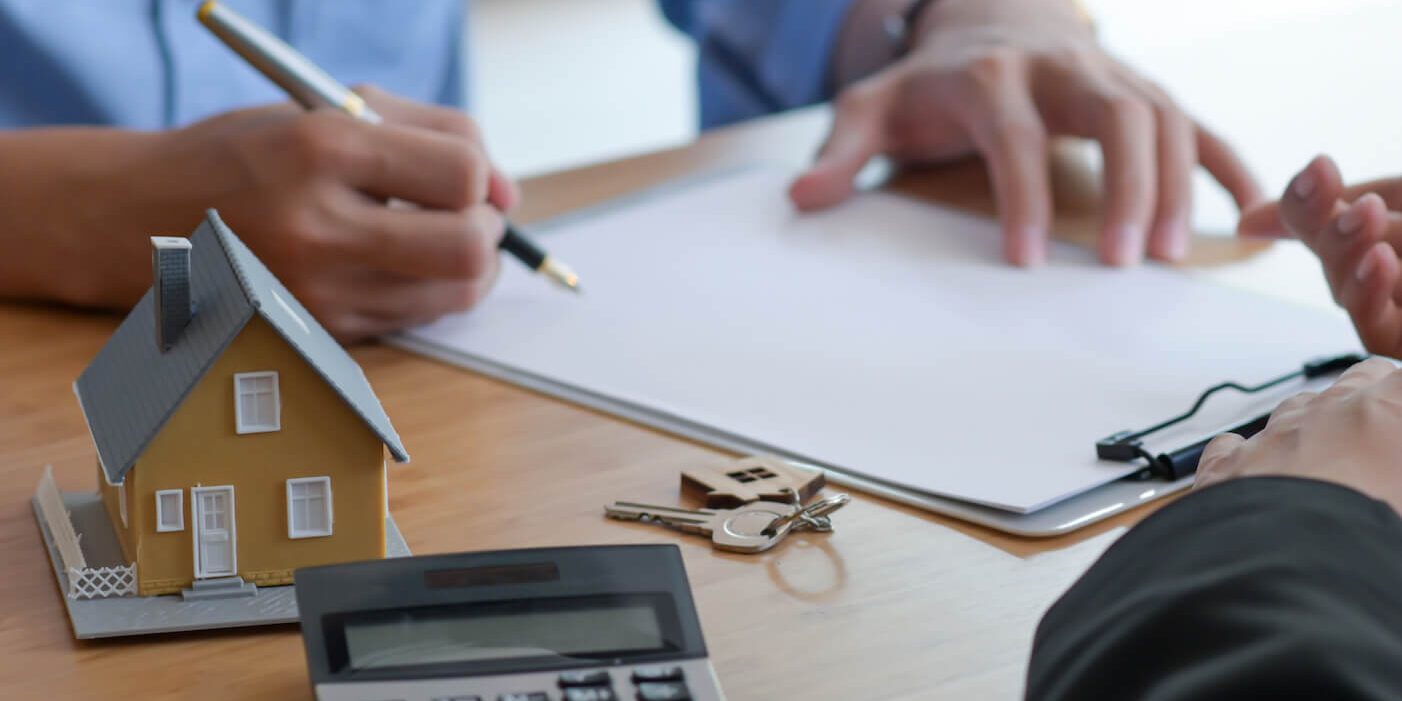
(101, 582)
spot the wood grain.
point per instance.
(896, 604)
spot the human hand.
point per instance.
(1356, 232)
(1350, 434)
(997, 78)
(373, 227)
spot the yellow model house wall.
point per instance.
(200, 446)
(111, 499)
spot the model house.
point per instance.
(236, 440)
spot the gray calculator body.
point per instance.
(597, 623)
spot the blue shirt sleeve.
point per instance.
(755, 57)
(151, 65)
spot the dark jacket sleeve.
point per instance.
(1255, 588)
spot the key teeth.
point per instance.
(681, 522)
(621, 515)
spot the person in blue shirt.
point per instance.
(123, 120)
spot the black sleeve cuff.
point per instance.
(1216, 590)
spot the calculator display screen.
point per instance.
(477, 635)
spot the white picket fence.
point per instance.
(83, 582)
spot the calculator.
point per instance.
(597, 623)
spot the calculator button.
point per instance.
(658, 674)
(525, 696)
(590, 693)
(592, 677)
(663, 691)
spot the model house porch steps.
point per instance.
(219, 588)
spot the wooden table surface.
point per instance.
(896, 604)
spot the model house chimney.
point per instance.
(170, 287)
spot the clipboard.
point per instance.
(1121, 489)
(1061, 518)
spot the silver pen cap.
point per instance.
(303, 80)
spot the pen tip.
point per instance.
(560, 274)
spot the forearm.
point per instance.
(865, 46)
(79, 204)
(1259, 588)
(760, 57)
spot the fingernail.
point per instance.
(1351, 220)
(1178, 247)
(1176, 240)
(1033, 246)
(1303, 186)
(1130, 248)
(1367, 266)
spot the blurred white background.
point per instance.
(558, 83)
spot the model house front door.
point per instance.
(216, 537)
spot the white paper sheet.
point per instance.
(885, 337)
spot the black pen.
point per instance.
(312, 87)
(1184, 461)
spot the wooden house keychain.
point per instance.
(752, 478)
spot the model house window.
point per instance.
(170, 510)
(257, 404)
(309, 507)
(122, 502)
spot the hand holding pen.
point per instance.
(308, 191)
(313, 88)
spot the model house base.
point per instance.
(115, 616)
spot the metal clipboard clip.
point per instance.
(1128, 446)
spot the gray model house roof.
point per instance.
(132, 388)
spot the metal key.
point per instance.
(746, 529)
